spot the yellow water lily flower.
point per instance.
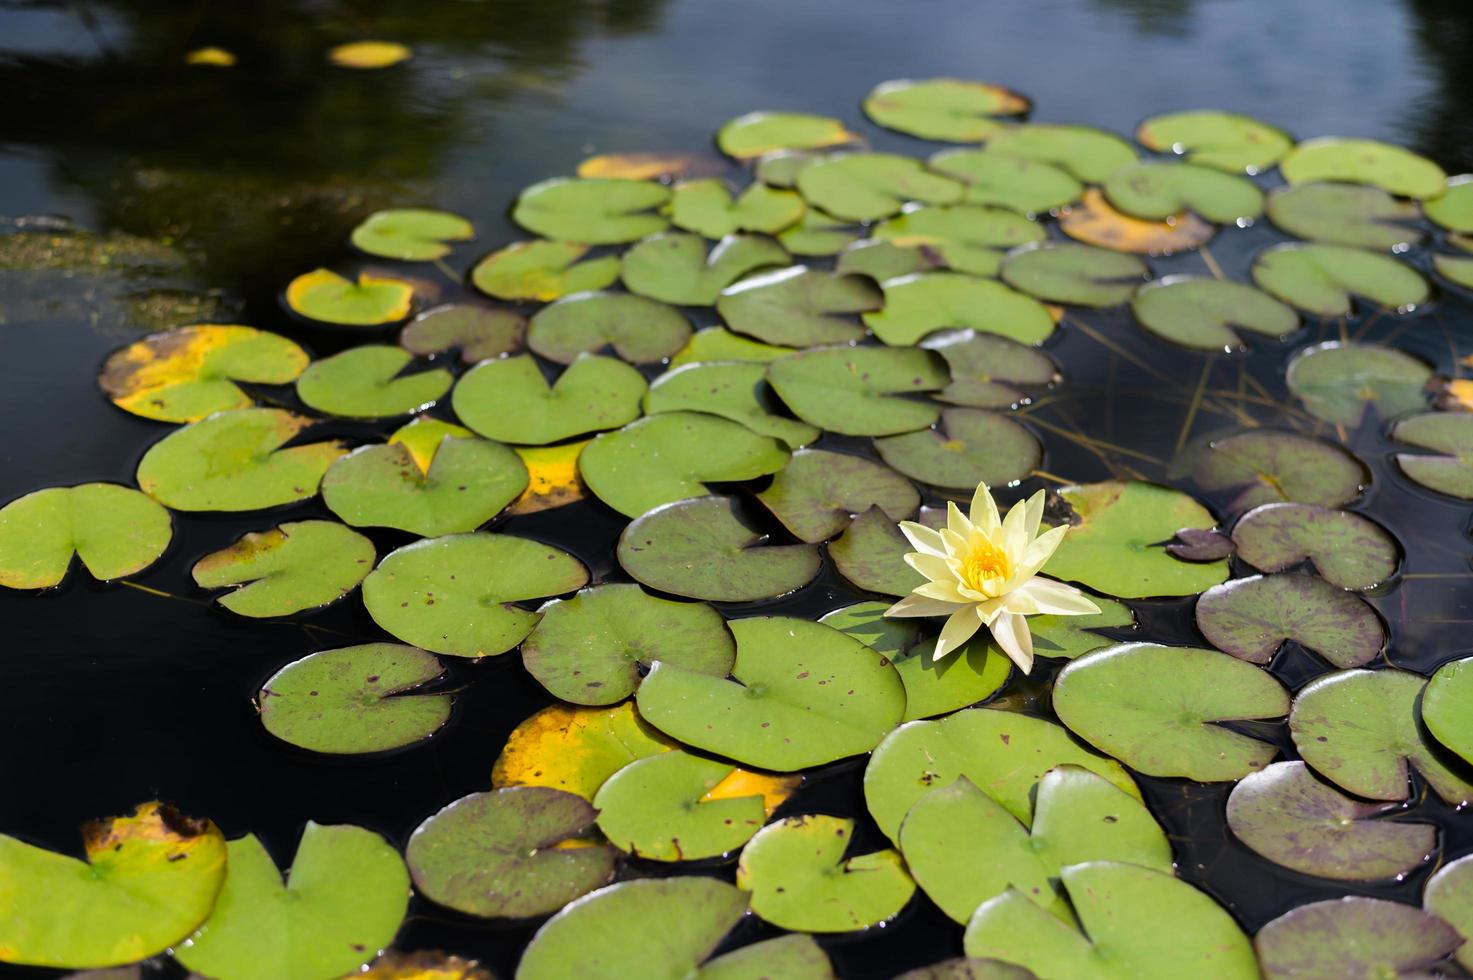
(983, 571)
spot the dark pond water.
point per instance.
(113, 695)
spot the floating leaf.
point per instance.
(1359, 161)
(1449, 894)
(799, 307)
(410, 234)
(1321, 279)
(553, 479)
(355, 700)
(542, 271)
(342, 902)
(852, 390)
(115, 531)
(1287, 815)
(496, 854)
(1454, 209)
(149, 880)
(509, 400)
(365, 382)
(454, 594)
(871, 554)
(639, 330)
(870, 186)
(1455, 269)
(1225, 140)
(984, 368)
(1447, 433)
(234, 461)
(424, 965)
(781, 168)
(675, 267)
(1447, 706)
(294, 566)
(1060, 272)
(1353, 936)
(1089, 154)
(1069, 637)
(758, 133)
(720, 344)
(794, 955)
(819, 234)
(933, 687)
(1348, 550)
(970, 446)
(920, 304)
(867, 623)
(1345, 214)
(590, 649)
(966, 968)
(817, 493)
(185, 374)
(966, 237)
(707, 206)
(1251, 618)
(648, 165)
(884, 260)
(1200, 313)
(369, 54)
(735, 390)
(575, 749)
(1095, 222)
(1158, 190)
(479, 331)
(789, 674)
(592, 211)
(956, 110)
(1338, 381)
(1008, 181)
(324, 295)
(1273, 467)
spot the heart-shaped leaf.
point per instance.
(757, 133)
(1225, 140)
(1449, 434)
(542, 271)
(1338, 381)
(819, 234)
(933, 687)
(1447, 706)
(871, 554)
(479, 331)
(818, 492)
(1353, 936)
(1096, 222)
(591, 211)
(370, 302)
(969, 238)
(366, 382)
(871, 186)
(969, 447)
(575, 749)
(509, 400)
(1200, 313)
(1454, 209)
(294, 566)
(1360, 161)
(735, 390)
(1091, 155)
(639, 330)
(1322, 279)
(1070, 637)
(676, 268)
(1449, 894)
(885, 260)
(720, 344)
(706, 206)
(867, 623)
(1061, 272)
(1277, 467)
(780, 168)
(919, 304)
(115, 531)
(956, 110)
(1251, 618)
(410, 234)
(1348, 550)
(1345, 214)
(985, 368)
(798, 306)
(1008, 181)
(1157, 190)
(853, 390)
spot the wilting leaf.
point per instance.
(1447, 433)
(732, 390)
(1447, 706)
(1449, 894)
(1095, 222)
(984, 368)
(510, 401)
(592, 211)
(720, 344)
(1060, 272)
(707, 206)
(648, 165)
(553, 479)
(1338, 381)
(970, 446)
(324, 295)
(355, 699)
(1200, 313)
(411, 234)
(920, 304)
(1251, 618)
(422, 965)
(1454, 209)
(852, 390)
(1359, 161)
(1345, 214)
(819, 234)
(956, 110)
(366, 382)
(966, 237)
(675, 267)
(817, 493)
(758, 133)
(294, 566)
(115, 531)
(369, 54)
(1322, 279)
(1348, 550)
(575, 749)
(1008, 181)
(542, 271)
(799, 307)
(212, 56)
(870, 186)
(871, 554)
(1225, 140)
(1091, 155)
(639, 330)
(1353, 936)
(1273, 467)
(1158, 190)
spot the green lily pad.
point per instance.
(1158, 708)
(780, 168)
(542, 271)
(510, 401)
(355, 700)
(1071, 637)
(1065, 272)
(1251, 618)
(1358, 161)
(800, 879)
(366, 382)
(655, 808)
(1122, 909)
(720, 344)
(956, 110)
(1456, 269)
(817, 493)
(867, 623)
(1274, 467)
(819, 234)
(1296, 821)
(1454, 209)
(1322, 279)
(1158, 190)
(1339, 381)
(234, 461)
(871, 186)
(1358, 728)
(590, 649)
(1345, 214)
(966, 968)
(790, 675)
(759, 133)
(964, 849)
(495, 854)
(966, 237)
(1008, 181)
(969, 447)
(1200, 313)
(1091, 155)
(370, 302)
(454, 594)
(871, 554)
(884, 260)
(185, 374)
(575, 749)
(1449, 894)
(410, 234)
(342, 902)
(639, 330)
(985, 369)
(854, 390)
(592, 211)
(676, 268)
(1117, 546)
(479, 331)
(1225, 140)
(799, 307)
(668, 457)
(115, 531)
(294, 566)
(734, 390)
(1353, 936)
(1348, 550)
(795, 956)
(148, 881)
(973, 674)
(703, 548)
(1446, 706)
(1003, 753)
(1450, 434)
(920, 304)
(706, 206)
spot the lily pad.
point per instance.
(966, 237)
(1071, 637)
(1091, 155)
(854, 390)
(1348, 550)
(1447, 706)
(1008, 181)
(1359, 161)
(366, 382)
(956, 110)
(542, 271)
(478, 331)
(1157, 190)
(1061, 272)
(1251, 618)
(780, 168)
(800, 879)
(1293, 819)
(1117, 546)
(1358, 728)
(115, 531)
(1353, 936)
(1450, 434)
(966, 968)
(639, 330)
(720, 344)
(1200, 313)
(411, 234)
(799, 307)
(759, 133)
(708, 207)
(1274, 467)
(920, 304)
(496, 854)
(1456, 269)
(789, 675)
(649, 165)
(867, 623)
(795, 955)
(818, 492)
(510, 401)
(703, 548)
(734, 390)
(676, 268)
(148, 881)
(454, 594)
(1345, 214)
(1225, 140)
(365, 55)
(370, 302)
(1454, 209)
(819, 234)
(355, 700)
(342, 902)
(592, 211)
(1095, 221)
(1449, 894)
(933, 687)
(185, 374)
(884, 260)
(985, 368)
(1322, 279)
(294, 566)
(590, 649)
(970, 446)
(871, 555)
(871, 186)
(575, 749)
(1158, 709)
(671, 456)
(553, 477)
(234, 461)
(1339, 381)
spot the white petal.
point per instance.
(913, 605)
(1057, 599)
(961, 627)
(1014, 536)
(944, 591)
(984, 510)
(1033, 510)
(934, 568)
(1011, 634)
(956, 521)
(922, 538)
(1039, 552)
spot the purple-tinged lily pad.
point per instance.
(1348, 550)
(1251, 618)
(871, 554)
(970, 446)
(479, 331)
(1338, 381)
(1200, 544)
(1353, 936)
(1277, 467)
(1449, 434)
(985, 368)
(818, 492)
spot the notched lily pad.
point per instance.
(1096, 222)
(1359, 161)
(575, 749)
(856, 390)
(986, 369)
(759, 133)
(370, 302)
(734, 390)
(1060, 272)
(817, 493)
(819, 234)
(1089, 154)
(294, 566)
(969, 238)
(720, 344)
(1353, 936)
(1200, 313)
(871, 554)
(1345, 214)
(1348, 550)
(639, 330)
(1008, 181)
(477, 330)
(871, 186)
(542, 271)
(799, 307)
(509, 400)
(708, 207)
(676, 268)
(1448, 434)
(1338, 381)
(1454, 209)
(1158, 190)
(1322, 279)
(367, 382)
(957, 110)
(1275, 467)
(411, 234)
(114, 531)
(1225, 140)
(969, 447)
(592, 211)
(1251, 618)
(920, 304)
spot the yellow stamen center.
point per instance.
(984, 562)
